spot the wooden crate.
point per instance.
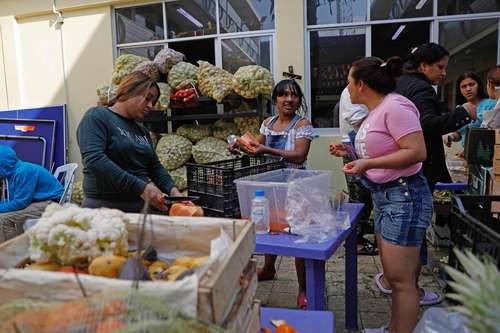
(216, 290)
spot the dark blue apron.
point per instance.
(278, 141)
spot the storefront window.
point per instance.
(146, 52)
(196, 49)
(397, 9)
(332, 52)
(139, 23)
(335, 11)
(456, 7)
(187, 18)
(239, 52)
(473, 46)
(398, 39)
(251, 15)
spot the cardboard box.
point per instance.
(493, 187)
(497, 136)
(496, 167)
(496, 152)
(210, 297)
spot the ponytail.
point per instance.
(377, 74)
(428, 53)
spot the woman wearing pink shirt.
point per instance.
(390, 146)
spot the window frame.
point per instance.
(434, 22)
(218, 37)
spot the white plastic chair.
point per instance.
(66, 175)
(5, 190)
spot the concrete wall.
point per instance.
(43, 63)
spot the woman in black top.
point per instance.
(120, 166)
(426, 66)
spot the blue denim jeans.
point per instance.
(403, 210)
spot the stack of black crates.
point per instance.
(475, 226)
(214, 183)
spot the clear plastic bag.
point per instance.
(310, 210)
(440, 320)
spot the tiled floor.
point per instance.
(374, 307)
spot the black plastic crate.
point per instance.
(475, 227)
(214, 182)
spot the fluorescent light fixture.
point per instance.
(420, 4)
(398, 32)
(190, 17)
(224, 45)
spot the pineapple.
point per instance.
(478, 292)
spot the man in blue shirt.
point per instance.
(30, 188)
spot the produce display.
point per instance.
(173, 151)
(150, 69)
(222, 129)
(72, 235)
(185, 98)
(121, 312)
(252, 81)
(185, 209)
(179, 176)
(194, 132)
(214, 82)
(125, 64)
(182, 75)
(164, 100)
(210, 150)
(248, 124)
(106, 92)
(166, 59)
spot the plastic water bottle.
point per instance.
(260, 212)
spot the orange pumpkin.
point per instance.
(285, 329)
(185, 209)
(71, 269)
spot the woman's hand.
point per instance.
(154, 196)
(356, 168)
(338, 150)
(260, 149)
(471, 110)
(174, 192)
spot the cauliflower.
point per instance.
(70, 234)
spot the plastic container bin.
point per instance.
(475, 226)
(275, 184)
(214, 182)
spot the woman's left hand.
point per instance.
(260, 149)
(356, 168)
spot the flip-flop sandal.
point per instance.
(302, 301)
(430, 298)
(265, 275)
(380, 286)
(368, 250)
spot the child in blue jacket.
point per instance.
(30, 188)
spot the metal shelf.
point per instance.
(158, 120)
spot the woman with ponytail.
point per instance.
(120, 167)
(390, 146)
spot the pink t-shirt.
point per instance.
(394, 118)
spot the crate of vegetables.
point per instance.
(199, 265)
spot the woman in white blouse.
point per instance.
(287, 135)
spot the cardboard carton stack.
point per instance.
(494, 176)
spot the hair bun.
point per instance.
(394, 66)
